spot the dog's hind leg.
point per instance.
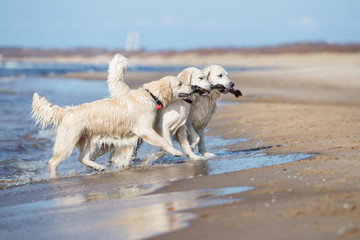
(123, 155)
(66, 139)
(85, 152)
(100, 150)
(181, 136)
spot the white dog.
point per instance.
(203, 108)
(117, 121)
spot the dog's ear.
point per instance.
(185, 76)
(161, 89)
(207, 72)
(166, 92)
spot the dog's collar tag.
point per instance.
(158, 103)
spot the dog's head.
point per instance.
(196, 78)
(218, 78)
(169, 89)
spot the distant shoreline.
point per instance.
(267, 56)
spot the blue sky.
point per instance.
(180, 24)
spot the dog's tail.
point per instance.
(45, 113)
(117, 67)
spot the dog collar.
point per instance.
(158, 103)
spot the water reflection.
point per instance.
(112, 215)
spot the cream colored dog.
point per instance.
(204, 107)
(117, 121)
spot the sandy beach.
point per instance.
(311, 107)
(299, 103)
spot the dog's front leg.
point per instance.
(181, 136)
(149, 135)
(193, 137)
(202, 145)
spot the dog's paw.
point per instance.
(196, 157)
(193, 146)
(209, 155)
(177, 153)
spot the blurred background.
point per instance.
(176, 25)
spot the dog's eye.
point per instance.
(180, 84)
(220, 75)
(201, 78)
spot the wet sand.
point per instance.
(304, 104)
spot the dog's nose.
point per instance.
(232, 84)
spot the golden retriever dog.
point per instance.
(203, 108)
(117, 121)
(170, 119)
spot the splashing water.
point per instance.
(25, 150)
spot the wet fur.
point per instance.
(116, 121)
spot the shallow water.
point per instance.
(19, 68)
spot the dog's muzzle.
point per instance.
(200, 90)
(184, 95)
(223, 89)
(220, 87)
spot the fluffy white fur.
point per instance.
(118, 121)
(116, 72)
(203, 108)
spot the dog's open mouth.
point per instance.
(221, 88)
(201, 91)
(188, 100)
(184, 95)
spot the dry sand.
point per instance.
(307, 103)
